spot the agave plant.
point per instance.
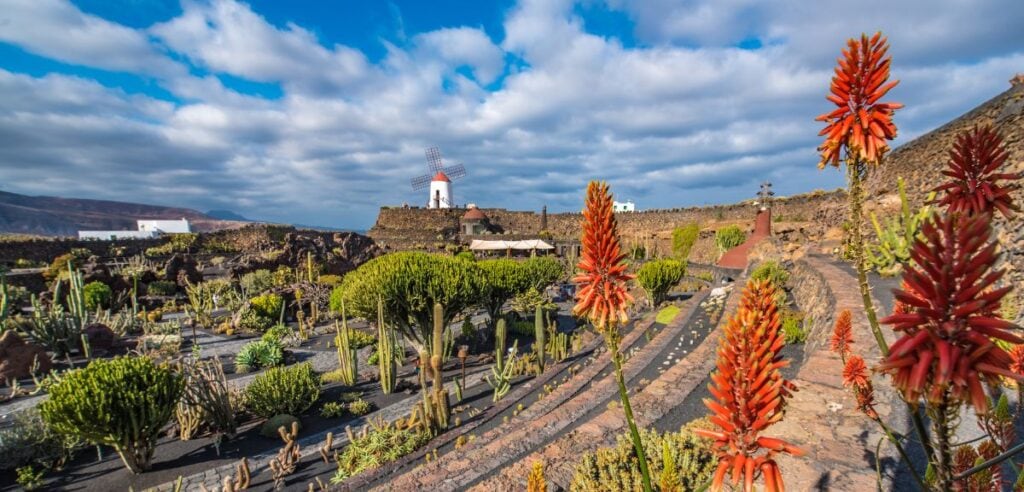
(749, 393)
(602, 297)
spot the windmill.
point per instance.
(765, 195)
(439, 181)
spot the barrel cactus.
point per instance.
(123, 403)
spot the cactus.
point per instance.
(123, 403)
(5, 306)
(892, 247)
(347, 358)
(558, 343)
(502, 370)
(540, 342)
(287, 458)
(386, 357)
(325, 448)
(440, 397)
(535, 481)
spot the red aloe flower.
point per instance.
(948, 329)
(842, 335)
(860, 123)
(973, 164)
(1017, 359)
(856, 372)
(602, 295)
(749, 392)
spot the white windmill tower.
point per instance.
(440, 183)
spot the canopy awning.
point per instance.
(528, 244)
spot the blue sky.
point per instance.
(318, 112)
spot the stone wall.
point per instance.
(45, 250)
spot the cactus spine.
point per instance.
(386, 360)
(539, 344)
(347, 357)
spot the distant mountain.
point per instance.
(55, 216)
(227, 215)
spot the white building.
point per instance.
(440, 191)
(147, 229)
(627, 206)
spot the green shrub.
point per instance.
(358, 339)
(381, 445)
(257, 281)
(276, 333)
(29, 478)
(522, 328)
(283, 390)
(374, 357)
(729, 237)
(793, 327)
(337, 299)
(251, 321)
(659, 277)
(59, 265)
(97, 295)
(683, 239)
(333, 410)
(616, 469)
(123, 402)
(667, 314)
(29, 441)
(360, 407)
(259, 354)
(176, 243)
(270, 427)
(329, 280)
(268, 305)
(161, 288)
(466, 255)
(771, 271)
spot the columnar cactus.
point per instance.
(540, 343)
(502, 369)
(440, 398)
(386, 344)
(347, 357)
(123, 403)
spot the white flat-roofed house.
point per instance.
(148, 229)
(627, 206)
(165, 226)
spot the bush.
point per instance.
(267, 305)
(382, 445)
(329, 280)
(29, 441)
(270, 427)
(658, 277)
(283, 390)
(683, 239)
(667, 314)
(729, 237)
(252, 322)
(466, 255)
(337, 298)
(616, 469)
(771, 271)
(276, 333)
(257, 281)
(259, 354)
(358, 339)
(360, 407)
(793, 327)
(123, 403)
(161, 288)
(332, 410)
(97, 295)
(59, 265)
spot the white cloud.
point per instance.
(686, 118)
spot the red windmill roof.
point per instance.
(474, 214)
(441, 176)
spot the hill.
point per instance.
(56, 216)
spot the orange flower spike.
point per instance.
(1017, 359)
(842, 335)
(859, 123)
(602, 296)
(947, 318)
(976, 186)
(856, 372)
(749, 392)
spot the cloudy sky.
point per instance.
(318, 112)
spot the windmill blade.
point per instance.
(455, 172)
(434, 162)
(420, 182)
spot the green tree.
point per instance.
(658, 277)
(683, 239)
(506, 279)
(97, 295)
(729, 237)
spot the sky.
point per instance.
(318, 112)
